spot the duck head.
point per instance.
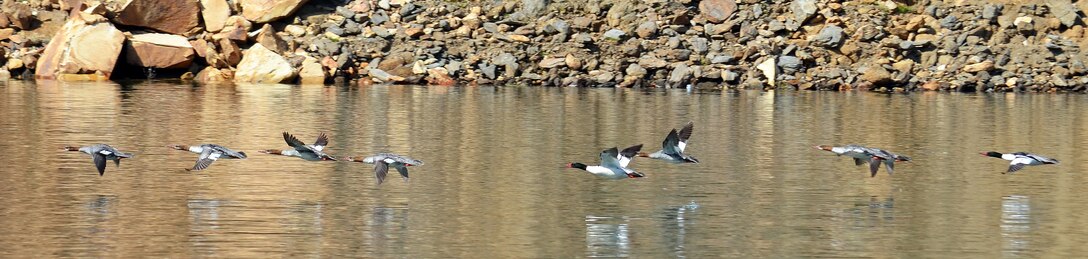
(991, 154)
(577, 165)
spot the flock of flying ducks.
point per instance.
(211, 152)
(614, 162)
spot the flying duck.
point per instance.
(383, 161)
(208, 154)
(672, 149)
(1019, 160)
(308, 152)
(610, 166)
(100, 153)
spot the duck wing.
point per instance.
(321, 142)
(890, 165)
(628, 154)
(608, 158)
(206, 158)
(229, 153)
(292, 141)
(402, 169)
(1015, 167)
(684, 135)
(99, 162)
(859, 161)
(1045, 160)
(1019, 163)
(671, 143)
(380, 170)
(874, 165)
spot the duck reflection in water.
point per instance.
(675, 223)
(387, 228)
(607, 236)
(1016, 225)
(100, 213)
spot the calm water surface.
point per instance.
(493, 185)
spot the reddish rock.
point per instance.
(330, 64)
(717, 11)
(86, 44)
(236, 28)
(200, 47)
(66, 5)
(271, 40)
(931, 86)
(439, 76)
(159, 51)
(230, 52)
(215, 14)
(4, 23)
(171, 16)
(262, 11)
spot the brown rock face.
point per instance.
(262, 11)
(215, 13)
(159, 50)
(172, 16)
(717, 11)
(230, 52)
(213, 75)
(269, 39)
(19, 15)
(86, 44)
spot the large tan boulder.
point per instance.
(215, 13)
(311, 72)
(260, 65)
(159, 51)
(262, 11)
(86, 44)
(171, 16)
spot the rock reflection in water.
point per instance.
(1015, 225)
(607, 236)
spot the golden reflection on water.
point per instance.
(493, 185)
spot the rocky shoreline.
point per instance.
(953, 45)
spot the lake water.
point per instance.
(494, 185)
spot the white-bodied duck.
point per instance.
(208, 154)
(610, 167)
(1019, 160)
(383, 161)
(100, 153)
(307, 152)
(672, 149)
